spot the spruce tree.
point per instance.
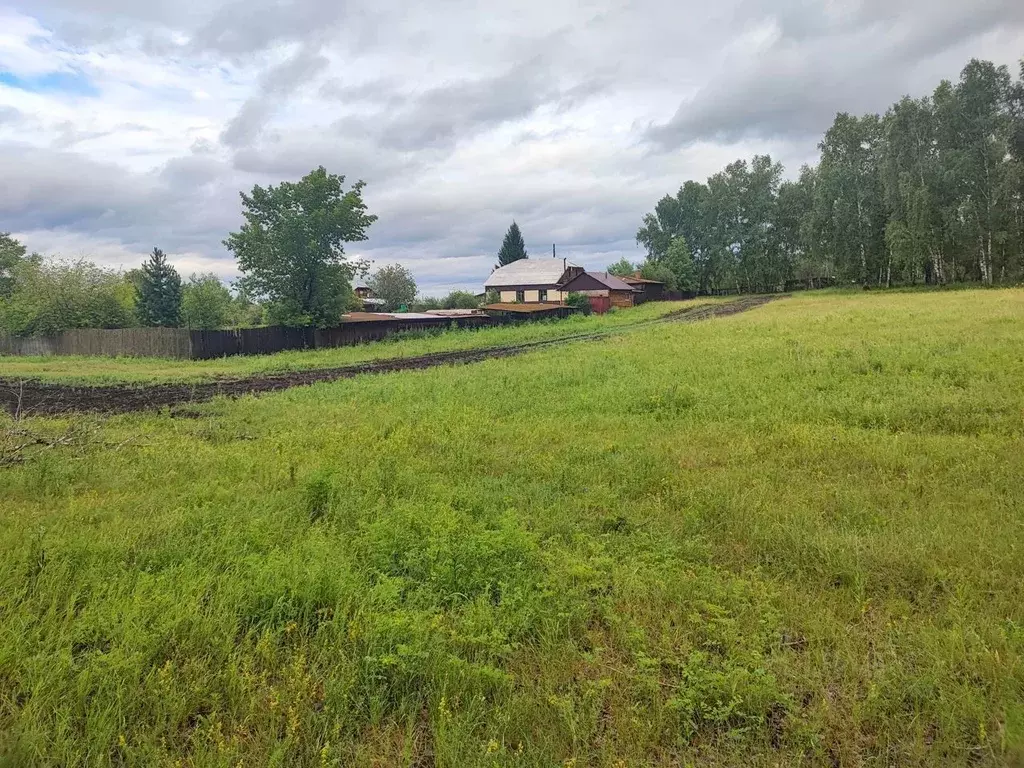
(512, 248)
(159, 292)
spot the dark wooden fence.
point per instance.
(184, 344)
(139, 342)
(248, 341)
(362, 331)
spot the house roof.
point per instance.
(641, 281)
(529, 272)
(611, 282)
(522, 308)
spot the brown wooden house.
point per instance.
(370, 302)
(532, 281)
(602, 285)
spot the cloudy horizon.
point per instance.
(125, 126)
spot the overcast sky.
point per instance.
(127, 124)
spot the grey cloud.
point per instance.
(462, 115)
(274, 88)
(829, 58)
(63, 191)
(249, 26)
(9, 115)
(441, 115)
(379, 92)
(192, 171)
(68, 135)
(296, 153)
(45, 189)
(438, 118)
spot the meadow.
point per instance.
(786, 537)
(142, 370)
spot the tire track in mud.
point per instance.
(33, 397)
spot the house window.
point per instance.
(520, 296)
(542, 295)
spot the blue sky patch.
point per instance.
(52, 82)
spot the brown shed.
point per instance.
(602, 284)
(647, 290)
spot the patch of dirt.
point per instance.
(28, 396)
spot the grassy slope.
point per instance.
(786, 537)
(105, 370)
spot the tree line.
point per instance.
(46, 296)
(289, 250)
(930, 192)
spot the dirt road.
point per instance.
(30, 397)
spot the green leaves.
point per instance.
(460, 300)
(159, 292)
(290, 248)
(679, 262)
(395, 285)
(513, 248)
(11, 254)
(933, 191)
(622, 268)
(206, 303)
(49, 297)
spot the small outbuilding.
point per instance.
(646, 290)
(601, 285)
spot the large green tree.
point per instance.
(513, 248)
(679, 261)
(980, 128)
(290, 248)
(12, 254)
(395, 285)
(1015, 175)
(159, 301)
(206, 303)
(850, 197)
(797, 232)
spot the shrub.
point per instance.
(460, 300)
(426, 303)
(579, 302)
(206, 303)
(50, 297)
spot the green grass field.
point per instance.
(787, 537)
(142, 370)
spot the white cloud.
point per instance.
(459, 115)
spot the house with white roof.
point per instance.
(533, 280)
